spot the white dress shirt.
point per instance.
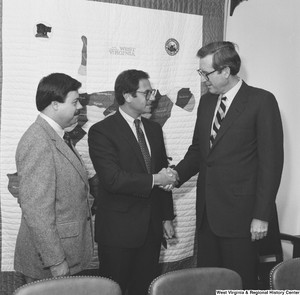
(131, 124)
(54, 125)
(229, 98)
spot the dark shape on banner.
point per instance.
(77, 133)
(185, 99)
(234, 4)
(99, 99)
(42, 31)
(162, 108)
(83, 65)
(102, 99)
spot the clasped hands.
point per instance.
(167, 178)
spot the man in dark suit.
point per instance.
(55, 236)
(132, 212)
(239, 159)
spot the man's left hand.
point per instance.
(61, 269)
(169, 231)
(258, 229)
(13, 184)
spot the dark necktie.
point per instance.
(220, 115)
(68, 141)
(143, 145)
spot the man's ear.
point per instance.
(55, 105)
(127, 97)
(226, 71)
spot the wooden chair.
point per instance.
(204, 280)
(286, 275)
(76, 285)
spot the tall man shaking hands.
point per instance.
(237, 149)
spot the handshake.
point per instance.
(166, 179)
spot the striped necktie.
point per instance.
(220, 115)
(143, 144)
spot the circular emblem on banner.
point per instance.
(172, 46)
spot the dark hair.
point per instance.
(54, 87)
(224, 55)
(128, 82)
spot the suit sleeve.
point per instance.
(270, 156)
(35, 164)
(105, 153)
(189, 166)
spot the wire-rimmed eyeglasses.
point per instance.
(148, 93)
(205, 75)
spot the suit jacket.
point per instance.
(239, 176)
(126, 200)
(53, 195)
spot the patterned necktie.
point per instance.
(220, 115)
(143, 145)
(67, 140)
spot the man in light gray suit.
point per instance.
(55, 235)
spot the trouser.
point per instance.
(238, 254)
(132, 268)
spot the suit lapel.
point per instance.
(64, 149)
(127, 133)
(75, 160)
(236, 108)
(212, 102)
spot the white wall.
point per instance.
(268, 35)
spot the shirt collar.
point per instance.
(57, 128)
(230, 94)
(128, 118)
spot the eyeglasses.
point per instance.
(148, 93)
(205, 75)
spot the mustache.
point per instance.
(77, 113)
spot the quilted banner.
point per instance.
(93, 42)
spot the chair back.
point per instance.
(205, 280)
(77, 285)
(286, 275)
